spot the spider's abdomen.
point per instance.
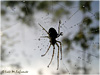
(53, 33)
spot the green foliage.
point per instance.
(67, 42)
(68, 3)
(84, 45)
(94, 30)
(3, 55)
(97, 15)
(85, 6)
(43, 5)
(87, 21)
(79, 37)
(3, 12)
(11, 3)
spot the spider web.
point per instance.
(42, 44)
(73, 26)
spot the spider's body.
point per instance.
(52, 35)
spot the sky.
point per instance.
(28, 49)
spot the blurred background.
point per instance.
(22, 47)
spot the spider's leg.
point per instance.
(52, 55)
(59, 27)
(60, 49)
(58, 56)
(44, 29)
(44, 36)
(46, 51)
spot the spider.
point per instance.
(52, 35)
